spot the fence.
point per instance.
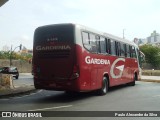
(23, 66)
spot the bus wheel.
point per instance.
(134, 80)
(104, 88)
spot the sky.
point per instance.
(20, 18)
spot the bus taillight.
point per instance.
(75, 73)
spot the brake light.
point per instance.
(75, 73)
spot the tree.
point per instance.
(4, 55)
(152, 54)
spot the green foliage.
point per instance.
(4, 55)
(152, 54)
(15, 56)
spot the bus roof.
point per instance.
(82, 27)
(105, 34)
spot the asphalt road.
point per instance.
(24, 79)
(143, 96)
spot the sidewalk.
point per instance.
(150, 79)
(24, 85)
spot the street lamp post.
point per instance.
(20, 47)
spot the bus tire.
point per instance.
(104, 88)
(134, 80)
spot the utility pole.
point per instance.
(123, 33)
(10, 57)
(20, 47)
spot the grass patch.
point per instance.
(151, 72)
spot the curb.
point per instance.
(147, 80)
(25, 73)
(18, 92)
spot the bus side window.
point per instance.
(86, 41)
(108, 45)
(103, 45)
(133, 52)
(85, 38)
(93, 43)
(125, 50)
(98, 44)
(118, 48)
(122, 50)
(128, 51)
(113, 47)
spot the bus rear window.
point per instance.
(54, 33)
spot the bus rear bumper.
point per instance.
(59, 86)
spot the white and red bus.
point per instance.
(71, 57)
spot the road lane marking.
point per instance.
(27, 95)
(58, 107)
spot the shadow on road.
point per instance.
(63, 97)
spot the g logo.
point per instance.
(119, 67)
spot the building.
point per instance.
(140, 41)
(26, 51)
(153, 39)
